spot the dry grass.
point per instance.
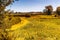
(41, 27)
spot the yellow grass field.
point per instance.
(41, 27)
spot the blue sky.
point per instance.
(32, 5)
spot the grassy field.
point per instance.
(35, 28)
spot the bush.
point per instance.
(26, 15)
(9, 21)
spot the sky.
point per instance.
(32, 5)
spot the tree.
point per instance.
(45, 11)
(4, 3)
(48, 9)
(58, 10)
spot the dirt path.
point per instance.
(19, 25)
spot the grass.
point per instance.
(35, 28)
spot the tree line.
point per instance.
(49, 10)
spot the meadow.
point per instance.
(40, 27)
